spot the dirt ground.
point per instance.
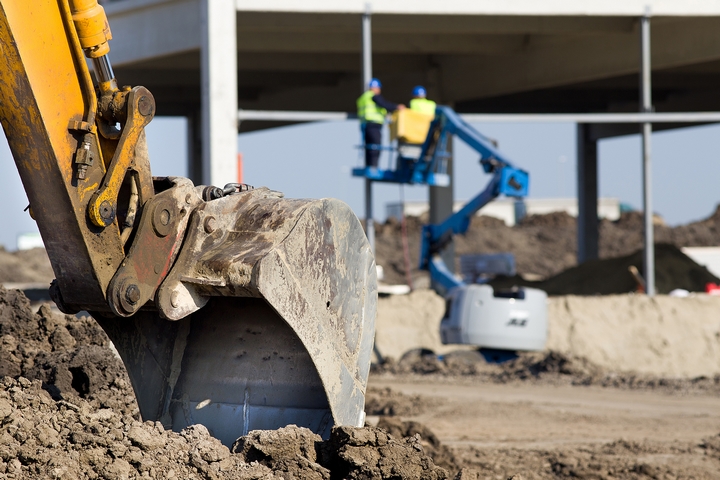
(542, 415)
(545, 431)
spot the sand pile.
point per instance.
(661, 336)
(406, 322)
(543, 245)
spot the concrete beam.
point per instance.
(561, 60)
(331, 23)
(327, 62)
(493, 7)
(423, 44)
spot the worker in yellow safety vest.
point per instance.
(420, 103)
(371, 110)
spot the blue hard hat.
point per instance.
(419, 91)
(374, 83)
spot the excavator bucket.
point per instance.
(265, 320)
(236, 310)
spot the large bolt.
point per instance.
(107, 212)
(132, 294)
(210, 224)
(164, 217)
(145, 106)
(175, 299)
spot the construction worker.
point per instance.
(372, 108)
(420, 103)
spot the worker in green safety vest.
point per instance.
(371, 109)
(420, 103)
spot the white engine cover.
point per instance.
(475, 316)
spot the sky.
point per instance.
(314, 161)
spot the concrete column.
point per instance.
(587, 185)
(366, 77)
(218, 59)
(441, 207)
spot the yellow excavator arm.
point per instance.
(231, 307)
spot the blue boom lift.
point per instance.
(475, 314)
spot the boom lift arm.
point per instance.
(506, 180)
(476, 314)
(230, 307)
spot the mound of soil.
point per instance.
(70, 355)
(440, 453)
(552, 368)
(543, 245)
(673, 269)
(350, 453)
(44, 438)
(25, 266)
(67, 411)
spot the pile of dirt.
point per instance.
(662, 336)
(673, 269)
(350, 453)
(441, 454)
(70, 355)
(44, 438)
(552, 368)
(25, 266)
(543, 245)
(67, 411)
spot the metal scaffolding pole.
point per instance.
(366, 76)
(646, 107)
